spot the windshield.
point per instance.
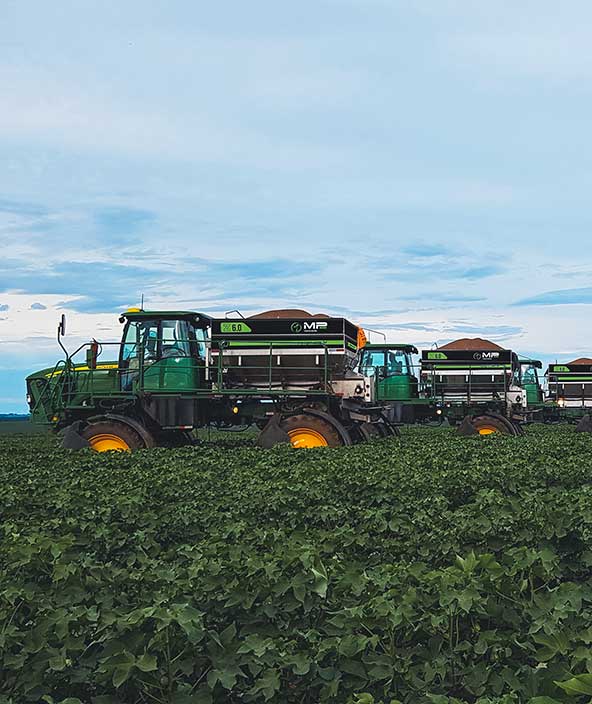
(159, 339)
(397, 363)
(371, 361)
(175, 338)
(529, 374)
(385, 363)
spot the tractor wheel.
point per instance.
(392, 431)
(491, 425)
(174, 438)
(309, 431)
(372, 431)
(107, 435)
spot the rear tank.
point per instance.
(289, 353)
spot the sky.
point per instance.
(423, 168)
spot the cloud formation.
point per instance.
(388, 162)
(570, 296)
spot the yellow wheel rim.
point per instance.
(106, 441)
(307, 437)
(487, 431)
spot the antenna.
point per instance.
(142, 303)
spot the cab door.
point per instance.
(398, 383)
(531, 384)
(391, 372)
(167, 353)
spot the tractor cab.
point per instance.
(530, 381)
(391, 368)
(163, 350)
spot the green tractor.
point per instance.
(568, 396)
(478, 388)
(530, 382)
(570, 393)
(395, 378)
(176, 371)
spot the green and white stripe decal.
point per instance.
(286, 343)
(568, 379)
(470, 367)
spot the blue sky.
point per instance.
(423, 168)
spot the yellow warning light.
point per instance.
(235, 409)
(55, 419)
(133, 310)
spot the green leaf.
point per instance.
(553, 644)
(57, 663)
(354, 667)
(121, 673)
(352, 645)
(582, 684)
(147, 663)
(363, 698)
(321, 580)
(226, 676)
(228, 634)
(203, 696)
(268, 684)
(300, 664)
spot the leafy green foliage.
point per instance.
(428, 569)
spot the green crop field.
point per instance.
(19, 426)
(431, 568)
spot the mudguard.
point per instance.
(272, 434)
(71, 438)
(131, 422)
(585, 424)
(339, 427)
(466, 427)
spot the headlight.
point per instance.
(561, 402)
(29, 399)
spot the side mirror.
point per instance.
(62, 326)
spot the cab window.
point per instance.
(397, 363)
(140, 334)
(200, 338)
(371, 361)
(175, 339)
(529, 375)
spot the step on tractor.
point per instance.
(472, 384)
(176, 371)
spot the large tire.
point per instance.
(105, 435)
(372, 431)
(492, 425)
(174, 438)
(307, 430)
